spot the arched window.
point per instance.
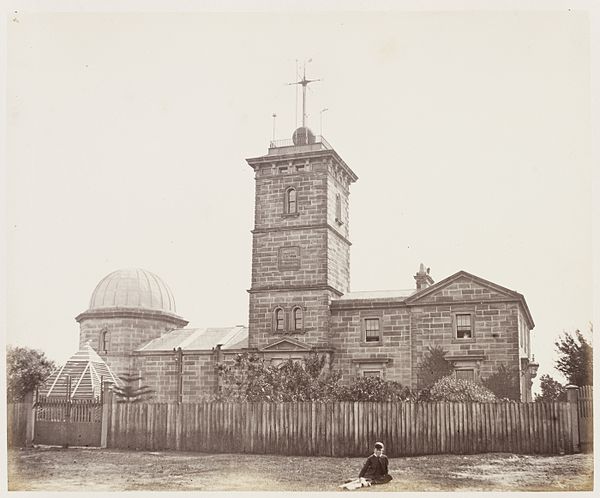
(291, 203)
(297, 318)
(279, 320)
(104, 340)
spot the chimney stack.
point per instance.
(422, 278)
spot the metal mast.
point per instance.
(304, 82)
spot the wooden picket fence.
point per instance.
(345, 428)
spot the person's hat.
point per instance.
(378, 445)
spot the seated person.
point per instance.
(375, 468)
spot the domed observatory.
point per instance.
(128, 308)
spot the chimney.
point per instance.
(422, 278)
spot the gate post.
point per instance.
(106, 410)
(572, 398)
(30, 428)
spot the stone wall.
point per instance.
(287, 258)
(311, 188)
(410, 329)
(315, 306)
(393, 353)
(160, 372)
(127, 330)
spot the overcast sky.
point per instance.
(127, 136)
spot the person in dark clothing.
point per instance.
(375, 468)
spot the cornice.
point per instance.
(131, 313)
(302, 227)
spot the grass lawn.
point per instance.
(75, 469)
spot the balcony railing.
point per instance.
(288, 146)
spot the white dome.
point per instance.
(133, 288)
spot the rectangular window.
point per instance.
(283, 169)
(465, 374)
(372, 332)
(338, 208)
(464, 326)
(372, 373)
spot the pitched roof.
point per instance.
(86, 371)
(412, 297)
(200, 339)
(482, 281)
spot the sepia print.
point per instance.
(299, 250)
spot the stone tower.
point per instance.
(300, 247)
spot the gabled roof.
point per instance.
(199, 339)
(86, 371)
(503, 292)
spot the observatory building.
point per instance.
(300, 299)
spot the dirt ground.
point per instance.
(78, 469)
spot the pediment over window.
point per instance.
(286, 345)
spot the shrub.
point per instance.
(373, 389)
(250, 378)
(452, 389)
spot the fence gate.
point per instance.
(586, 421)
(68, 422)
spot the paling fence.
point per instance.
(16, 418)
(346, 428)
(586, 418)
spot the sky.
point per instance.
(127, 133)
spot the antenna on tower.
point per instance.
(274, 117)
(304, 82)
(321, 120)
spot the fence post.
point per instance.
(30, 428)
(106, 409)
(572, 398)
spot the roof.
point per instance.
(200, 339)
(513, 295)
(379, 294)
(133, 288)
(86, 371)
(412, 297)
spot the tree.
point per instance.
(132, 390)
(552, 390)
(575, 360)
(26, 369)
(433, 367)
(504, 383)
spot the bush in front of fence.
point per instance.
(250, 378)
(459, 390)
